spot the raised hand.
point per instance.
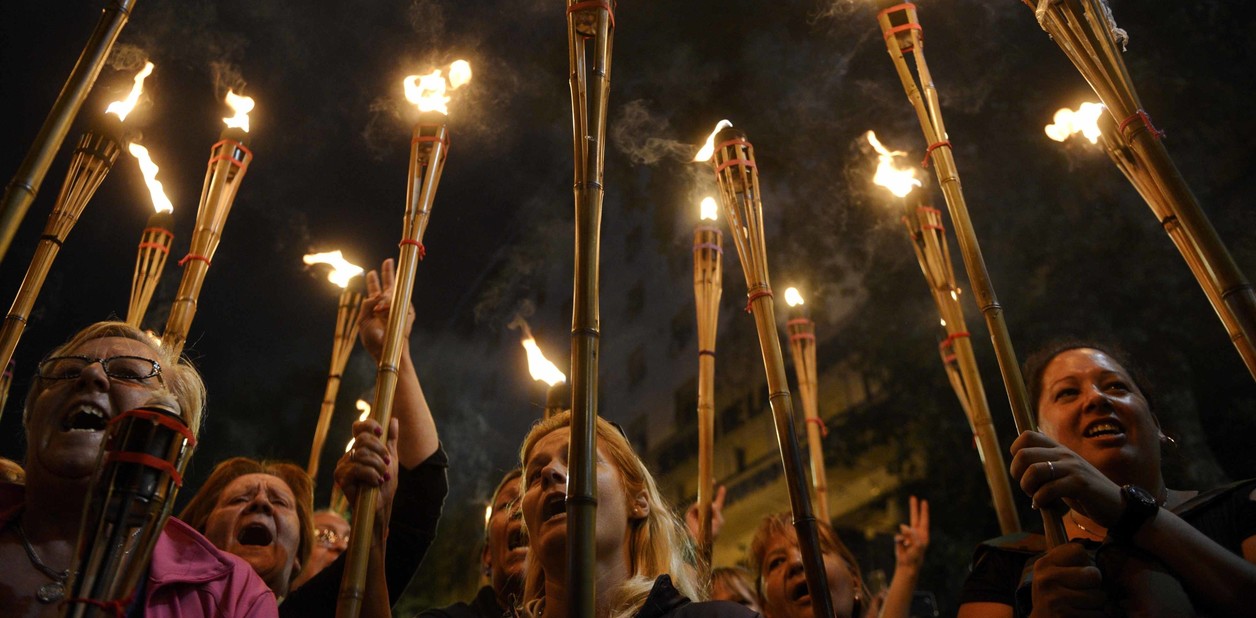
(913, 538)
(717, 515)
(373, 319)
(370, 463)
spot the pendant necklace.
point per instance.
(48, 593)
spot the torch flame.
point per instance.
(709, 208)
(792, 297)
(1084, 120)
(428, 91)
(241, 106)
(365, 407)
(539, 366)
(124, 107)
(899, 181)
(708, 148)
(341, 270)
(149, 169)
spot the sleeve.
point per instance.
(994, 575)
(416, 510)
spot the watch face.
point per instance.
(1135, 493)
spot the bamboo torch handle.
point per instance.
(427, 159)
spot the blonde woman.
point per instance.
(640, 548)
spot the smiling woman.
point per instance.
(1138, 544)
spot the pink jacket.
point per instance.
(188, 577)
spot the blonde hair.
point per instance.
(781, 524)
(178, 376)
(657, 544)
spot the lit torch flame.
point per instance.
(1084, 120)
(124, 107)
(366, 411)
(539, 366)
(241, 106)
(708, 149)
(900, 182)
(792, 297)
(428, 91)
(149, 169)
(709, 209)
(342, 271)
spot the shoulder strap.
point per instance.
(1208, 497)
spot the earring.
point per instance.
(1167, 440)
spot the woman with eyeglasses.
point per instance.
(331, 538)
(103, 371)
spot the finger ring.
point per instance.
(1051, 468)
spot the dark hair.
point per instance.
(196, 513)
(1036, 365)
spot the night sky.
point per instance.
(1071, 247)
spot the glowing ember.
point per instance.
(428, 91)
(709, 209)
(160, 202)
(900, 182)
(241, 106)
(792, 297)
(708, 149)
(124, 107)
(1084, 120)
(341, 270)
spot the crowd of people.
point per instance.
(249, 543)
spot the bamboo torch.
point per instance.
(6, 380)
(342, 273)
(590, 32)
(1098, 127)
(557, 395)
(22, 190)
(97, 150)
(903, 34)
(1087, 33)
(928, 240)
(229, 160)
(802, 345)
(708, 287)
(738, 177)
(154, 248)
(429, 144)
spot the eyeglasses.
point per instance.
(329, 538)
(128, 368)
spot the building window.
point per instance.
(739, 455)
(686, 398)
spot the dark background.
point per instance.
(1071, 248)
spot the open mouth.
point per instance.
(255, 534)
(799, 593)
(1103, 428)
(85, 418)
(555, 504)
(518, 539)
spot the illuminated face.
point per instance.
(255, 518)
(785, 593)
(68, 417)
(507, 546)
(331, 538)
(544, 504)
(1090, 404)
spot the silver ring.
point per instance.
(1051, 467)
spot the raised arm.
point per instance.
(417, 434)
(909, 555)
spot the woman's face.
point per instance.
(785, 592)
(544, 503)
(255, 518)
(68, 417)
(1090, 404)
(507, 545)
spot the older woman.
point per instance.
(104, 370)
(1098, 457)
(782, 586)
(640, 547)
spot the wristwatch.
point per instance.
(1140, 508)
